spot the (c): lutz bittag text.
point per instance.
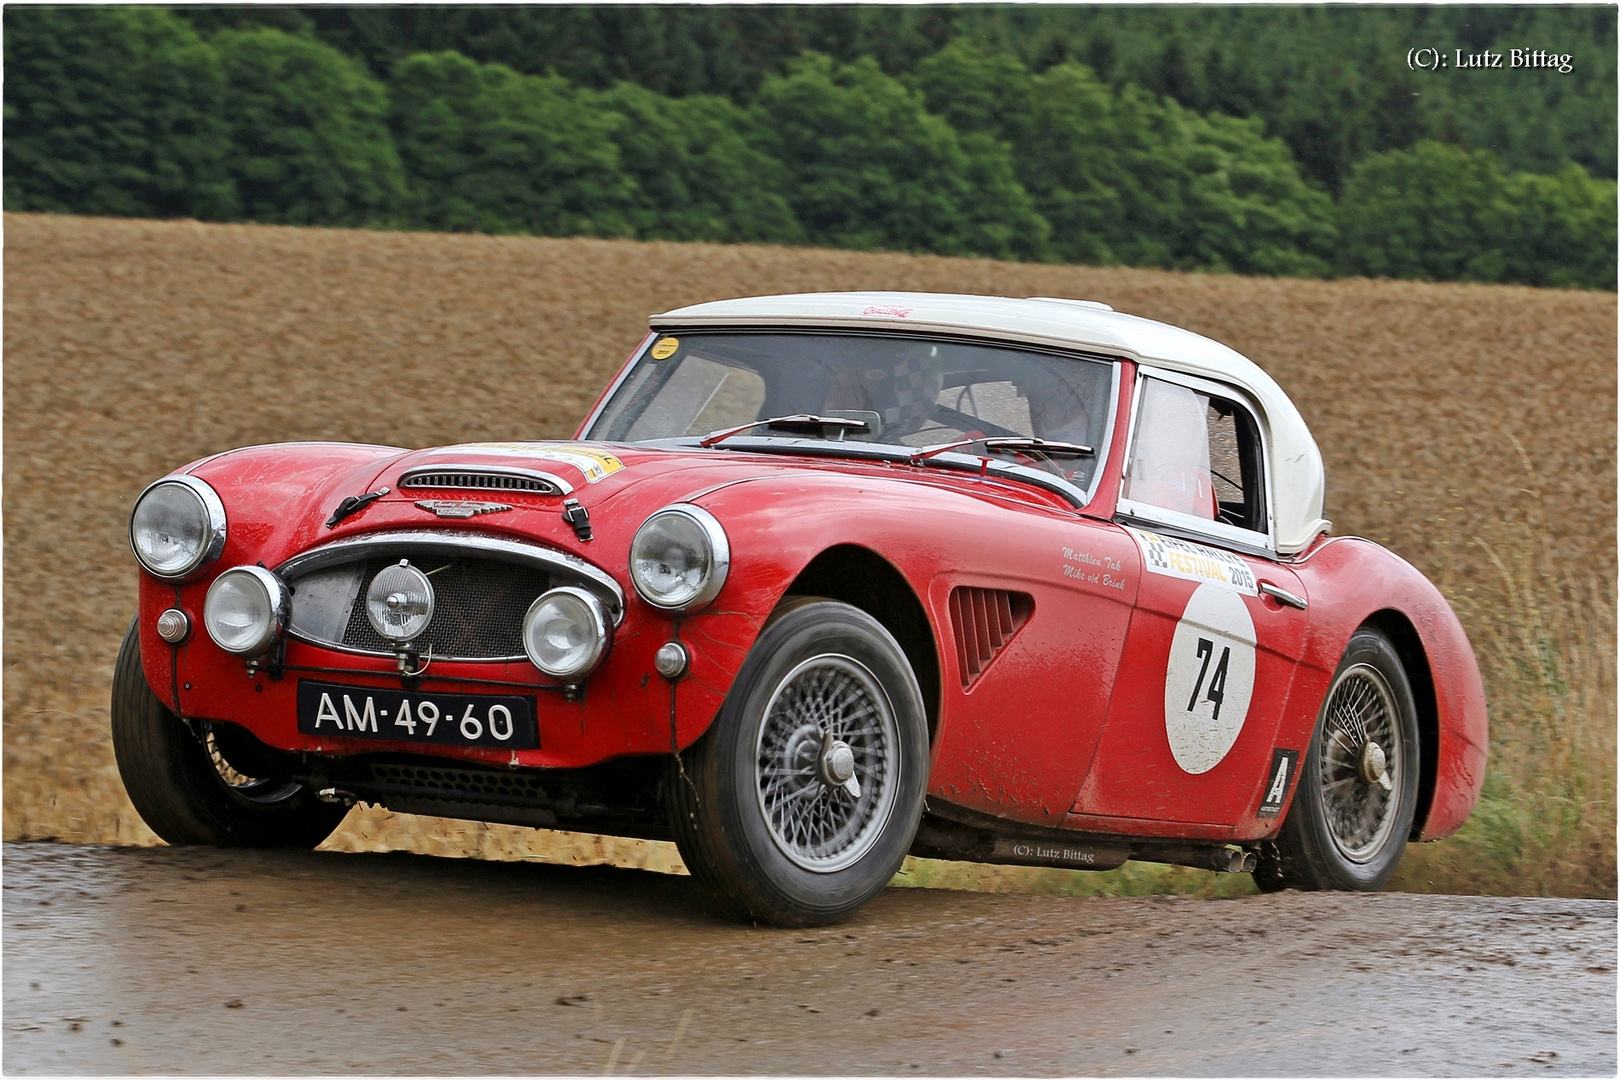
(1459, 60)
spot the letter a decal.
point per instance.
(1283, 765)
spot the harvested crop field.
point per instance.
(1470, 428)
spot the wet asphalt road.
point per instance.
(126, 960)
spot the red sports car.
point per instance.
(823, 580)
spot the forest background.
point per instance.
(1262, 140)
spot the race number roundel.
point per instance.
(1210, 680)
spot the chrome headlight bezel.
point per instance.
(599, 625)
(212, 519)
(277, 598)
(718, 555)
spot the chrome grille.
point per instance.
(466, 480)
(483, 586)
(478, 607)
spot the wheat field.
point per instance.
(1469, 428)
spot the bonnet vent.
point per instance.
(985, 620)
(474, 478)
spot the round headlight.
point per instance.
(565, 633)
(177, 527)
(399, 603)
(679, 558)
(246, 610)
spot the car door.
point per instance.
(1219, 623)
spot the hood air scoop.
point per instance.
(484, 478)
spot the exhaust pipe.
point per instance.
(1222, 860)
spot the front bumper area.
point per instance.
(624, 708)
(618, 798)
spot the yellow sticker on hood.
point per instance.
(592, 464)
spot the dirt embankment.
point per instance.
(134, 346)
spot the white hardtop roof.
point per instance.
(1296, 464)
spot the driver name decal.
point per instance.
(594, 465)
(1177, 558)
(1210, 678)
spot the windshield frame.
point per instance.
(956, 461)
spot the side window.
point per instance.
(1197, 454)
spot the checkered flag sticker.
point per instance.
(910, 392)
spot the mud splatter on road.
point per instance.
(193, 961)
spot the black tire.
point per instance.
(1344, 831)
(819, 666)
(171, 776)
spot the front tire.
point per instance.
(1358, 788)
(800, 802)
(226, 788)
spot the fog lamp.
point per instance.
(246, 610)
(566, 632)
(399, 602)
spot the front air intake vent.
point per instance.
(460, 785)
(460, 478)
(984, 621)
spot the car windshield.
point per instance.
(910, 392)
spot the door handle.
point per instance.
(1282, 596)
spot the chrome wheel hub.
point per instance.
(1374, 767)
(827, 763)
(1361, 757)
(836, 766)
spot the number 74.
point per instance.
(1216, 691)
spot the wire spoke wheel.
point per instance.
(1363, 757)
(827, 763)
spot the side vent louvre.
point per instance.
(985, 620)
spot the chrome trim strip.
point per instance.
(358, 547)
(1196, 531)
(558, 485)
(212, 505)
(350, 650)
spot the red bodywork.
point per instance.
(1060, 724)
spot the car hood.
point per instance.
(279, 498)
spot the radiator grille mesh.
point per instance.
(478, 607)
(984, 621)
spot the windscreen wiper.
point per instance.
(843, 423)
(1019, 444)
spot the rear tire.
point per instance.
(761, 806)
(1347, 829)
(226, 789)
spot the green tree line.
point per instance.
(970, 150)
(1329, 80)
